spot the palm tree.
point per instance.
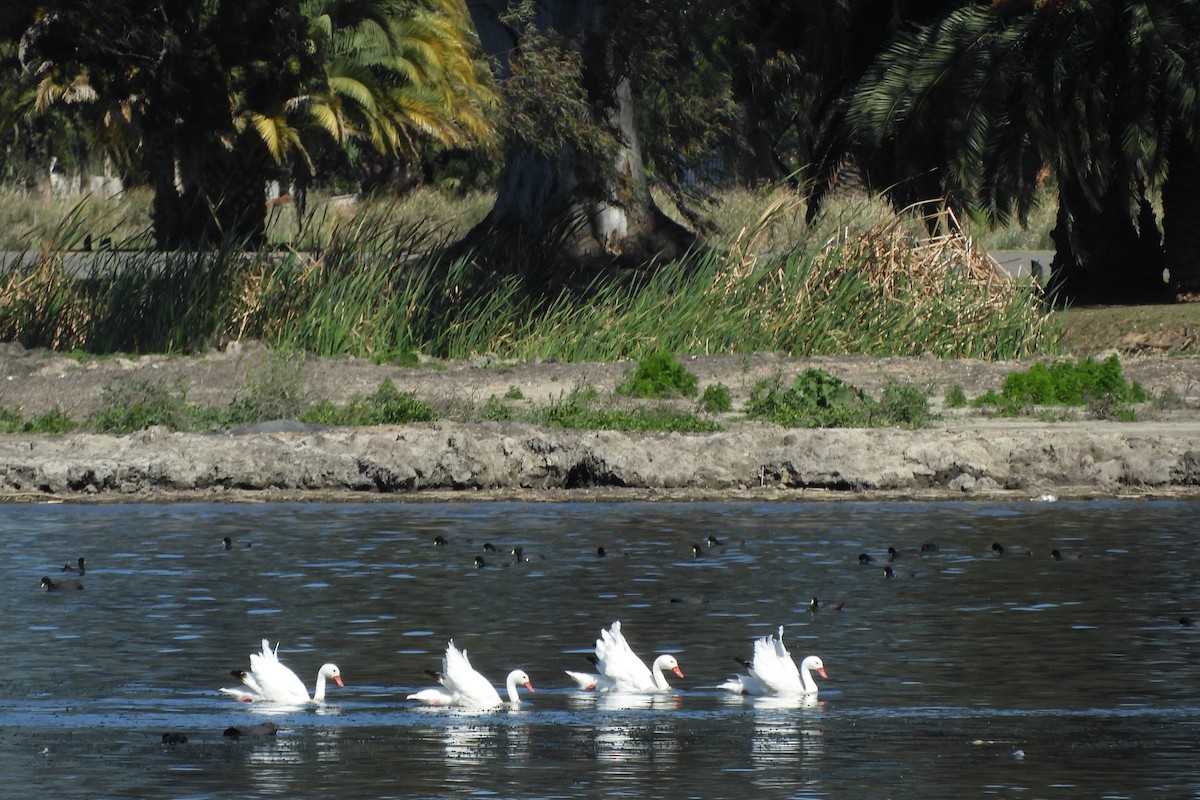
(1100, 91)
(211, 96)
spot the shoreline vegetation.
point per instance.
(795, 315)
(377, 280)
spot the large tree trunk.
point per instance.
(206, 193)
(1181, 217)
(597, 211)
(1101, 255)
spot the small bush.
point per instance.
(1065, 383)
(276, 391)
(659, 375)
(577, 410)
(385, 406)
(903, 405)
(514, 393)
(50, 422)
(716, 399)
(495, 410)
(136, 405)
(815, 399)
(955, 397)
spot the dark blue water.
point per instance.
(966, 675)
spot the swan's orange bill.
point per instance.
(677, 671)
(529, 686)
(338, 680)
(821, 672)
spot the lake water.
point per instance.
(968, 674)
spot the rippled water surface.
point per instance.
(968, 674)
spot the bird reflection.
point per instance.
(785, 742)
(470, 744)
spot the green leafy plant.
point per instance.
(955, 397)
(903, 405)
(814, 399)
(1101, 385)
(659, 375)
(385, 406)
(137, 404)
(275, 391)
(715, 399)
(578, 409)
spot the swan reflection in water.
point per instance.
(787, 738)
(470, 744)
(631, 746)
(475, 744)
(276, 761)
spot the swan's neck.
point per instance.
(319, 694)
(660, 680)
(810, 685)
(513, 697)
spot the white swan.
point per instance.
(620, 668)
(269, 681)
(773, 673)
(463, 687)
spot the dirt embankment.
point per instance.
(962, 454)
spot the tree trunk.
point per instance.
(1101, 255)
(1181, 218)
(206, 193)
(561, 198)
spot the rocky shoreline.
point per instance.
(475, 461)
(960, 456)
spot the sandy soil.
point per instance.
(36, 381)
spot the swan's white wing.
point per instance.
(276, 682)
(773, 667)
(468, 686)
(619, 664)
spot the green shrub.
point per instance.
(715, 399)
(1065, 383)
(275, 391)
(514, 393)
(955, 397)
(496, 410)
(137, 404)
(385, 406)
(903, 405)
(51, 422)
(659, 375)
(815, 399)
(578, 410)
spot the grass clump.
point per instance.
(579, 410)
(385, 406)
(274, 392)
(50, 422)
(716, 399)
(816, 399)
(955, 397)
(378, 282)
(135, 405)
(659, 375)
(1101, 385)
(904, 406)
